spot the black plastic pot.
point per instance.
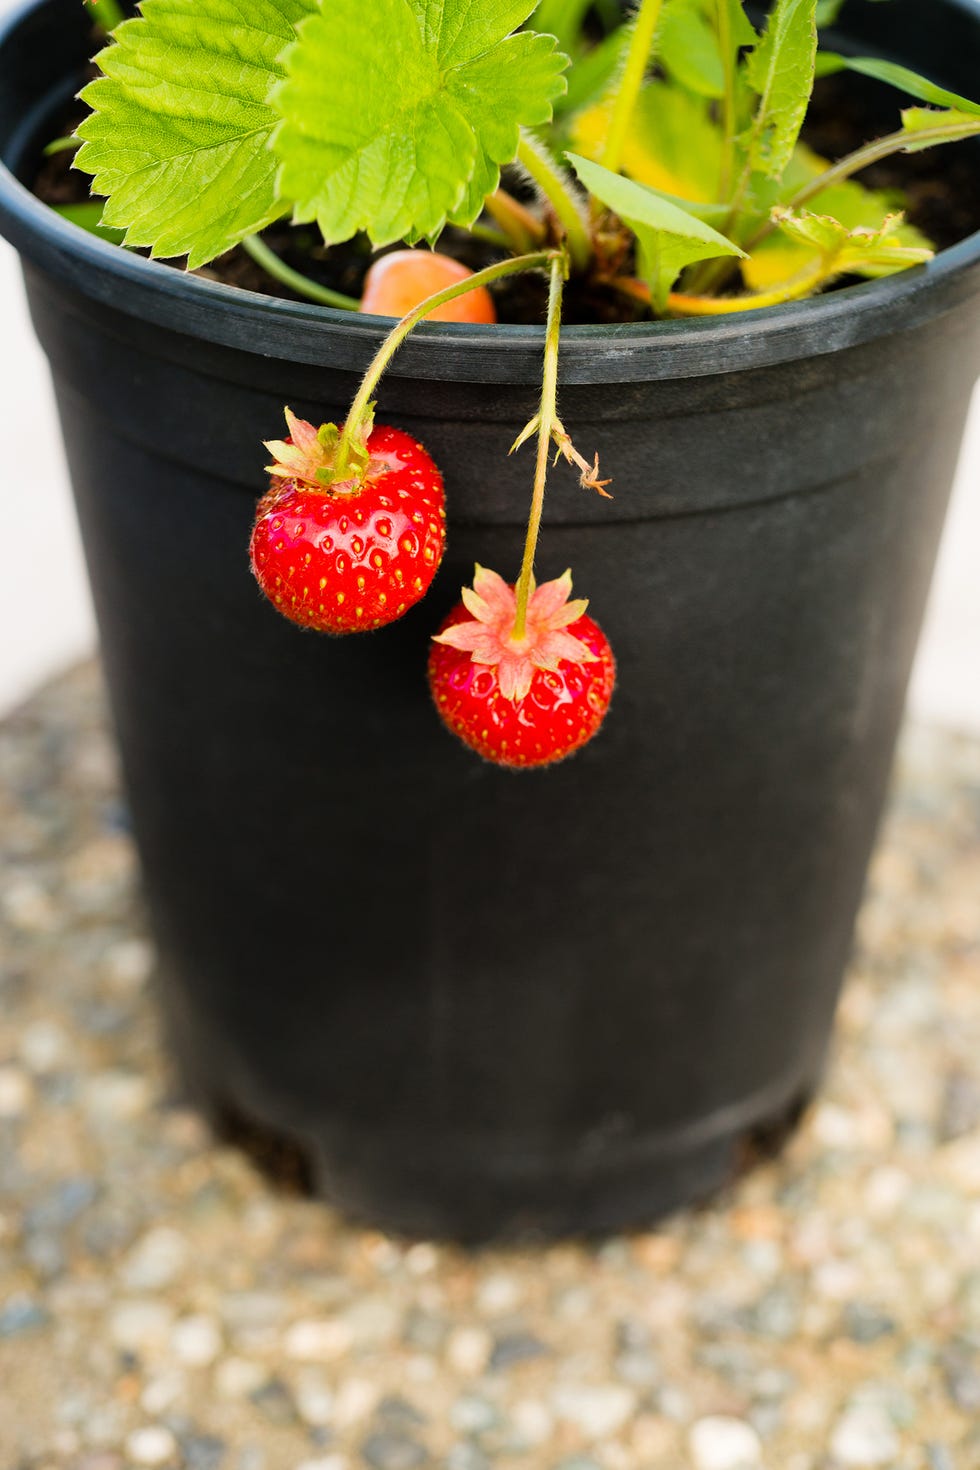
(486, 1002)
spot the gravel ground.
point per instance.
(161, 1305)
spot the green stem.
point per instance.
(302, 285)
(360, 408)
(490, 236)
(107, 14)
(523, 229)
(728, 99)
(637, 59)
(547, 420)
(61, 145)
(557, 187)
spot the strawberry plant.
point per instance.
(657, 160)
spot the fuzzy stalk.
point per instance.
(557, 187)
(634, 70)
(107, 14)
(728, 100)
(361, 406)
(524, 230)
(547, 420)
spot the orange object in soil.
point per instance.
(399, 281)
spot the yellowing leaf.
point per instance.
(873, 252)
(779, 256)
(673, 145)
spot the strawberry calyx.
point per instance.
(489, 637)
(309, 455)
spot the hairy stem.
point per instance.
(490, 236)
(362, 400)
(107, 14)
(728, 99)
(523, 229)
(637, 58)
(547, 419)
(557, 187)
(302, 285)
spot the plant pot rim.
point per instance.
(632, 352)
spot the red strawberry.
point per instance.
(526, 702)
(346, 557)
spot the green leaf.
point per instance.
(828, 62)
(669, 237)
(398, 126)
(869, 252)
(781, 69)
(688, 48)
(179, 134)
(926, 127)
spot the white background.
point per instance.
(44, 606)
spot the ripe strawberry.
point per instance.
(346, 557)
(399, 281)
(526, 702)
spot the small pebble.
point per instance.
(202, 1451)
(275, 1402)
(129, 963)
(45, 1046)
(473, 1415)
(467, 1456)
(532, 1421)
(597, 1410)
(196, 1340)
(117, 1096)
(865, 1323)
(387, 1451)
(19, 1314)
(422, 1258)
(154, 1445)
(314, 1399)
(163, 1393)
(497, 1295)
(355, 1398)
(15, 1092)
(141, 1325)
(468, 1350)
(864, 1436)
(156, 1261)
(516, 1347)
(238, 1378)
(318, 1340)
(720, 1442)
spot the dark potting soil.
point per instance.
(938, 188)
